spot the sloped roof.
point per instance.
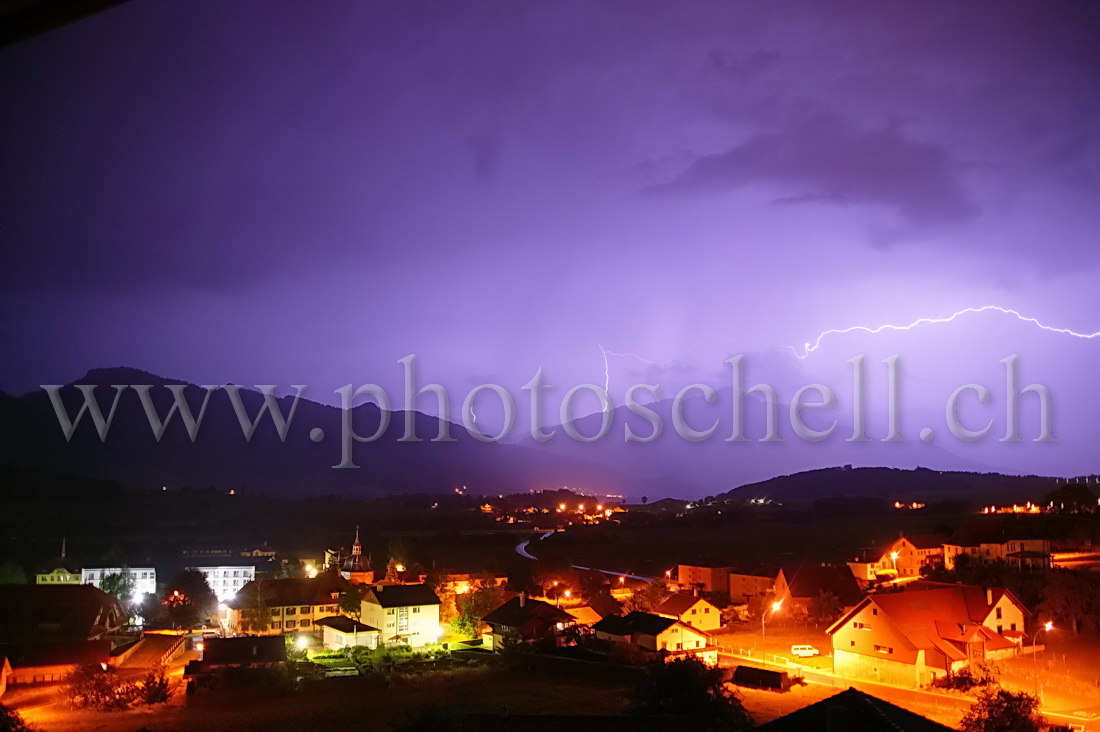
(291, 591)
(514, 615)
(853, 710)
(810, 581)
(344, 624)
(584, 615)
(401, 595)
(244, 651)
(926, 541)
(943, 617)
(679, 603)
(56, 653)
(635, 622)
(56, 612)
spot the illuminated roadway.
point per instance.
(521, 549)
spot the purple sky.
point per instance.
(304, 193)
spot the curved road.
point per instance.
(521, 549)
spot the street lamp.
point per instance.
(1034, 667)
(763, 633)
(894, 559)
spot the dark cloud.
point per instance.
(826, 161)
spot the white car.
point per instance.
(805, 651)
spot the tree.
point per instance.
(12, 574)
(10, 721)
(189, 599)
(647, 598)
(99, 687)
(154, 686)
(351, 601)
(472, 606)
(1068, 596)
(689, 688)
(825, 607)
(120, 584)
(1000, 710)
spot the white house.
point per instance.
(341, 631)
(145, 579)
(404, 613)
(226, 581)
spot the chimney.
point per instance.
(522, 598)
(988, 596)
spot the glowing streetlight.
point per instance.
(302, 641)
(894, 559)
(1047, 626)
(763, 633)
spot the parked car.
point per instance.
(805, 651)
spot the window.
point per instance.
(874, 611)
(694, 611)
(884, 649)
(290, 624)
(303, 623)
(1000, 629)
(390, 611)
(861, 626)
(416, 609)
(276, 625)
(304, 609)
(852, 644)
(1013, 626)
(679, 646)
(999, 613)
(275, 611)
(291, 611)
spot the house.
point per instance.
(47, 613)
(745, 584)
(986, 543)
(45, 662)
(226, 580)
(341, 631)
(906, 556)
(909, 638)
(525, 620)
(405, 613)
(655, 633)
(144, 578)
(250, 651)
(462, 582)
(705, 576)
(798, 586)
(277, 606)
(698, 612)
(852, 710)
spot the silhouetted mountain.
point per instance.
(32, 437)
(893, 484)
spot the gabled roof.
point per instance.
(925, 541)
(56, 653)
(56, 612)
(291, 591)
(853, 710)
(244, 651)
(636, 622)
(344, 624)
(944, 617)
(513, 614)
(401, 595)
(808, 582)
(679, 603)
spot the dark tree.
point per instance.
(687, 687)
(472, 606)
(825, 607)
(351, 601)
(12, 574)
(10, 721)
(189, 600)
(1000, 710)
(120, 584)
(647, 598)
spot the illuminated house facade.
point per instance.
(704, 577)
(1021, 553)
(404, 613)
(689, 609)
(655, 633)
(226, 581)
(797, 587)
(278, 606)
(145, 578)
(906, 556)
(909, 638)
(523, 620)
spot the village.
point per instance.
(922, 624)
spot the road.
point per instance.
(521, 549)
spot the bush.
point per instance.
(154, 687)
(969, 677)
(10, 721)
(95, 687)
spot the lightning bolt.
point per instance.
(809, 348)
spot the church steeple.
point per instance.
(356, 548)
